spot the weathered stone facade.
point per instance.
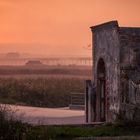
(116, 74)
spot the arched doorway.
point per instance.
(101, 86)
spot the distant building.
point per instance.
(12, 55)
(115, 90)
(34, 63)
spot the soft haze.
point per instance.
(59, 27)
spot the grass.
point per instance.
(48, 86)
(18, 130)
(11, 129)
(100, 131)
(43, 92)
(46, 70)
(70, 132)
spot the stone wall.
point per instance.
(130, 45)
(130, 67)
(106, 46)
(119, 48)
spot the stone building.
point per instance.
(114, 92)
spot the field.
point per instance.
(71, 70)
(51, 87)
(41, 86)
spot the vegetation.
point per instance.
(17, 130)
(44, 92)
(46, 70)
(100, 131)
(47, 86)
(11, 129)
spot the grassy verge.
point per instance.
(64, 132)
(100, 131)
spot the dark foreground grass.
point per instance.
(67, 132)
(19, 131)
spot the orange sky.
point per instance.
(59, 27)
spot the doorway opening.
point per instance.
(101, 91)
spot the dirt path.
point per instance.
(44, 116)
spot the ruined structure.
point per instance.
(114, 92)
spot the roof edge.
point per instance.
(107, 25)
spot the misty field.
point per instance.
(44, 90)
(46, 70)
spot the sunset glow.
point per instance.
(59, 27)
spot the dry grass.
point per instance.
(44, 90)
